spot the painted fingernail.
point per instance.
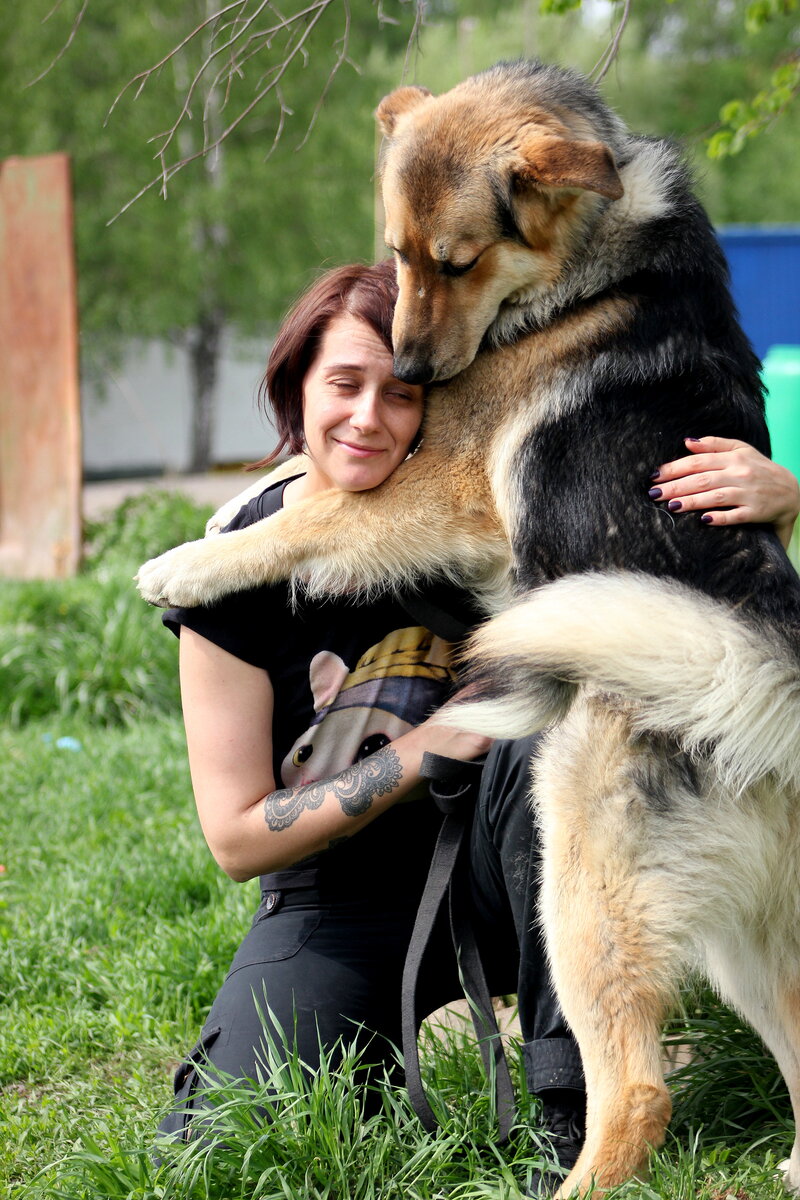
(655, 475)
(692, 439)
(654, 493)
(706, 518)
(674, 505)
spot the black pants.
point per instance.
(324, 963)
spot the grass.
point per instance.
(116, 928)
(88, 647)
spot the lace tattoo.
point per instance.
(355, 788)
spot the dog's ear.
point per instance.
(397, 104)
(557, 162)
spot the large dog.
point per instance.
(558, 275)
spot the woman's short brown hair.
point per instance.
(366, 292)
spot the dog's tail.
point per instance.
(694, 669)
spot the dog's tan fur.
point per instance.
(631, 895)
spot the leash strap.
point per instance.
(443, 610)
(454, 785)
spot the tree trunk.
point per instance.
(210, 237)
(204, 346)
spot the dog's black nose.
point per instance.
(412, 368)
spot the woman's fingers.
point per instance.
(699, 494)
(730, 482)
(708, 456)
(740, 515)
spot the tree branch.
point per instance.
(67, 43)
(603, 64)
(310, 15)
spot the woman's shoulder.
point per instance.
(241, 622)
(265, 504)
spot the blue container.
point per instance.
(765, 276)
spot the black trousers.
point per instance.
(323, 963)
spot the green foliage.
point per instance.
(89, 647)
(558, 6)
(742, 120)
(244, 231)
(759, 12)
(81, 648)
(728, 1073)
(141, 527)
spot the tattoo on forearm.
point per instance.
(355, 788)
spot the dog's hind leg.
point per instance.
(606, 912)
(754, 981)
(787, 1053)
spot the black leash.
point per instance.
(447, 611)
(454, 785)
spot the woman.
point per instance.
(306, 724)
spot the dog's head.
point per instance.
(486, 191)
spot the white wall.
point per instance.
(136, 417)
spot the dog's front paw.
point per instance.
(184, 576)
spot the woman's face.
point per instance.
(358, 420)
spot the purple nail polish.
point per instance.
(692, 439)
(654, 493)
(655, 475)
(674, 505)
(706, 518)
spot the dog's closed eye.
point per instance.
(448, 268)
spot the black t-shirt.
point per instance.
(348, 676)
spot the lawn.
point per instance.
(116, 928)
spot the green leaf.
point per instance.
(718, 145)
(787, 75)
(734, 112)
(558, 6)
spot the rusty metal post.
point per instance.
(40, 443)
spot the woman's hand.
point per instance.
(730, 483)
(450, 742)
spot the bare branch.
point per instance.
(313, 14)
(412, 45)
(67, 43)
(603, 65)
(284, 111)
(54, 9)
(143, 76)
(343, 42)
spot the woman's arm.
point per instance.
(721, 473)
(252, 828)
